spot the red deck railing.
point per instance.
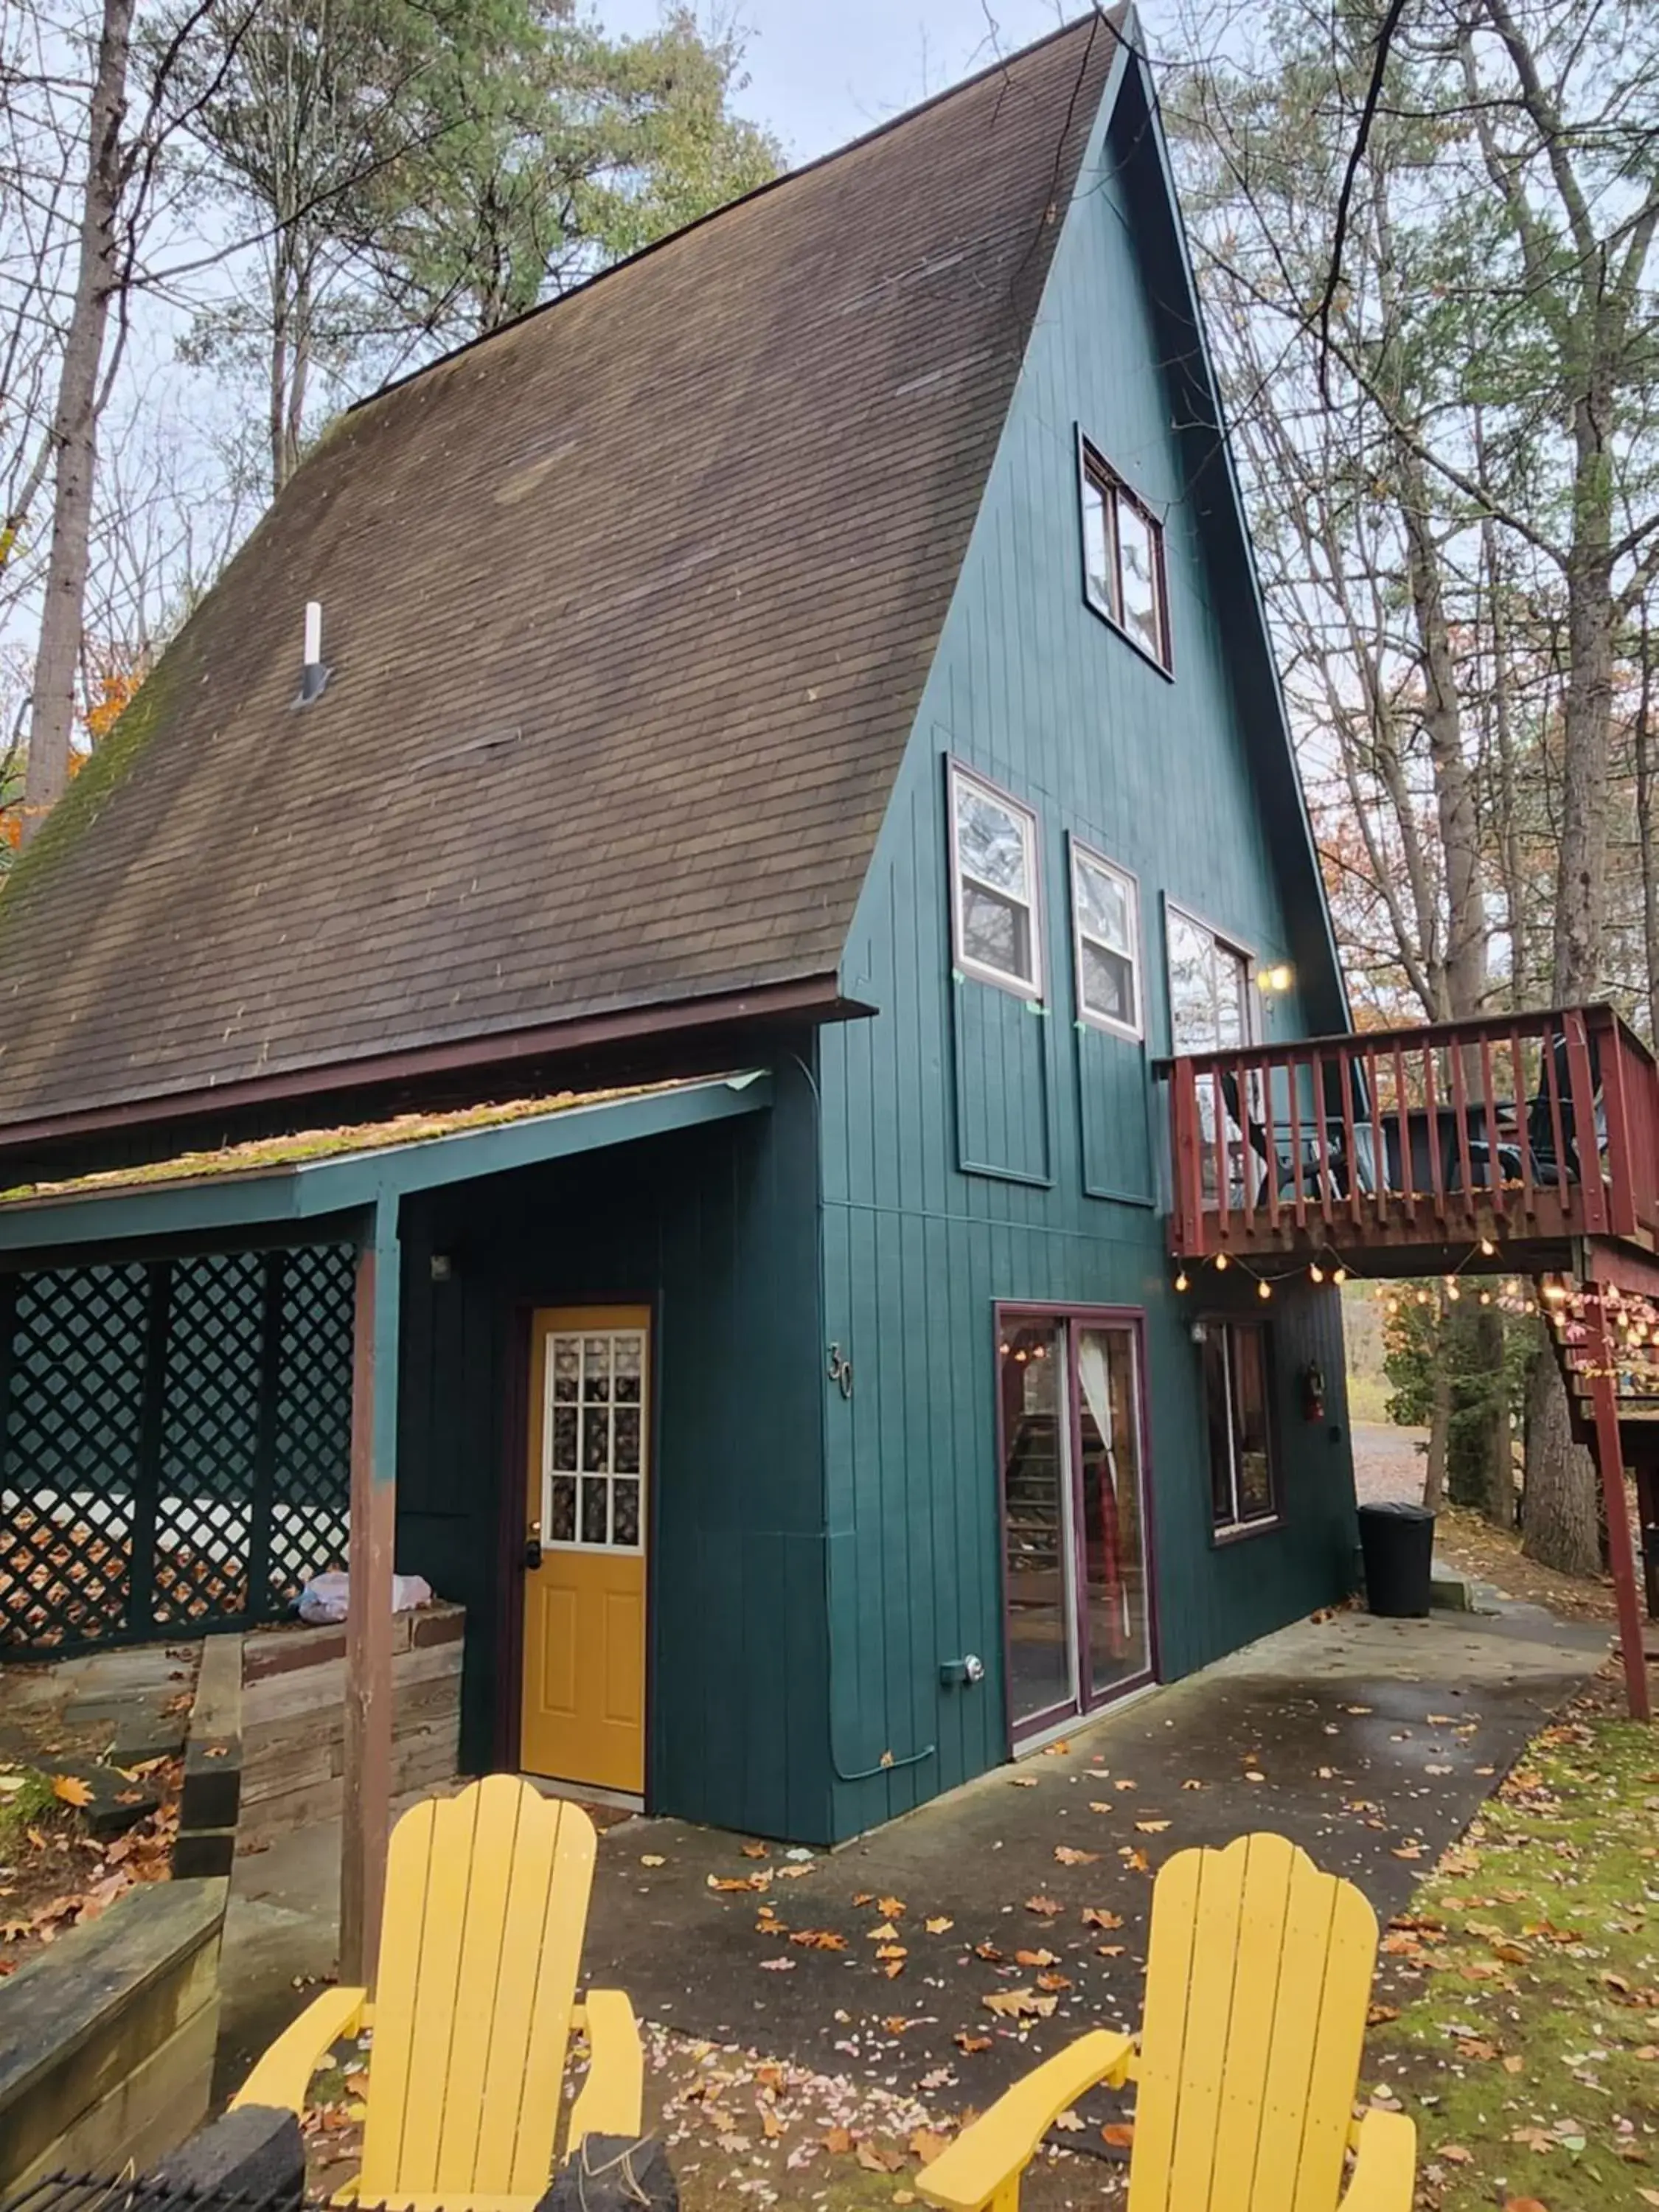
(1537, 1124)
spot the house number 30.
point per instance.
(840, 1370)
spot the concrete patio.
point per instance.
(1372, 1743)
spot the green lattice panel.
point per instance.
(206, 1495)
(69, 1469)
(311, 1520)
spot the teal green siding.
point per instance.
(715, 1230)
(977, 1149)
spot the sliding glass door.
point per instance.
(1075, 1544)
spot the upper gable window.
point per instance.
(994, 875)
(1123, 571)
(1106, 917)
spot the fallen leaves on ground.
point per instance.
(1517, 1997)
(61, 1877)
(1019, 2004)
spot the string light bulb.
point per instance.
(1181, 1284)
(1339, 1275)
(1221, 1263)
(1487, 1247)
(1264, 1289)
(1315, 1273)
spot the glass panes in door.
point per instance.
(1075, 1542)
(595, 1407)
(1113, 1540)
(1038, 1520)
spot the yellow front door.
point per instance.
(584, 1605)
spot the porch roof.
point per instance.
(321, 1172)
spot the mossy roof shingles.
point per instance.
(628, 610)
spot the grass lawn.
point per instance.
(1525, 1979)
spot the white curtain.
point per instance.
(1094, 1374)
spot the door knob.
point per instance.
(532, 1551)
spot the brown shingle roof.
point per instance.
(629, 608)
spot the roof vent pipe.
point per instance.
(313, 675)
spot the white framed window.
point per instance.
(1124, 576)
(1106, 942)
(1212, 1004)
(993, 881)
(594, 1440)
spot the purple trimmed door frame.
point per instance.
(1070, 1321)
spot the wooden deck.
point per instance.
(1503, 1140)
(1526, 1144)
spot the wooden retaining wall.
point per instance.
(293, 1718)
(107, 2036)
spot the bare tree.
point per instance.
(75, 419)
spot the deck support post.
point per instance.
(366, 1806)
(1621, 1550)
(1645, 1516)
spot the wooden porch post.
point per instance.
(1621, 1550)
(367, 1800)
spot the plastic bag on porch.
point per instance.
(327, 1598)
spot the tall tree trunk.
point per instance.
(74, 428)
(1581, 882)
(1560, 1524)
(1508, 825)
(1434, 1472)
(1465, 963)
(1642, 735)
(276, 385)
(1496, 1464)
(1561, 1493)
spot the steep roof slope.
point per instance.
(629, 609)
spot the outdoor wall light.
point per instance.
(442, 1266)
(1200, 1332)
(1275, 980)
(962, 1674)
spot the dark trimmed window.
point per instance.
(1123, 570)
(1243, 1488)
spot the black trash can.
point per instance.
(1398, 1544)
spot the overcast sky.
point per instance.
(821, 71)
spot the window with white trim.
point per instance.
(993, 870)
(1106, 930)
(1242, 1489)
(1123, 570)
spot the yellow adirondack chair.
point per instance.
(1258, 1982)
(486, 1901)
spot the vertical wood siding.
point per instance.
(1033, 689)
(715, 1230)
